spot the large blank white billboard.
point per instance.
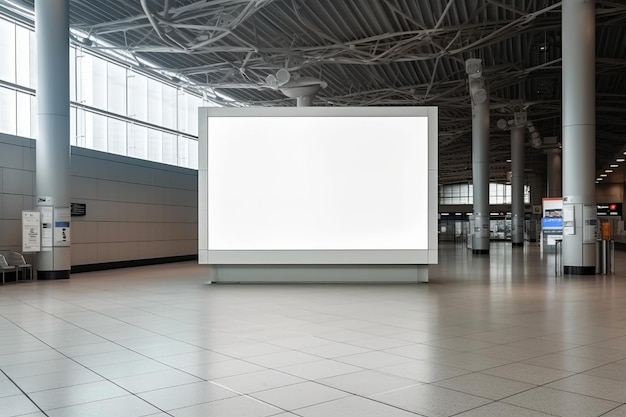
(317, 185)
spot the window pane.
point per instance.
(192, 113)
(23, 115)
(169, 149)
(137, 141)
(73, 126)
(99, 98)
(116, 136)
(95, 132)
(34, 121)
(181, 111)
(7, 51)
(155, 102)
(138, 97)
(32, 53)
(116, 87)
(169, 107)
(84, 81)
(73, 74)
(193, 154)
(22, 44)
(155, 145)
(7, 110)
(81, 128)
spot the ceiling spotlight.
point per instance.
(603, 175)
(620, 160)
(613, 165)
(608, 171)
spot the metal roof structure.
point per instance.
(377, 53)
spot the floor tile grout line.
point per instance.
(85, 367)
(211, 381)
(24, 393)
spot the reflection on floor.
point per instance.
(496, 335)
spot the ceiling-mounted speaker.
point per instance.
(271, 82)
(502, 124)
(474, 67)
(520, 118)
(283, 76)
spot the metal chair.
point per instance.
(17, 260)
(4, 267)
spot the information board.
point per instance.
(31, 231)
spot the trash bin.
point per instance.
(558, 256)
(605, 256)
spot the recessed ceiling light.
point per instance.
(508, 160)
(603, 175)
(614, 165)
(608, 170)
(620, 160)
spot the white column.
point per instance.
(517, 186)
(480, 173)
(52, 165)
(579, 140)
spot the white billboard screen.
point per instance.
(290, 183)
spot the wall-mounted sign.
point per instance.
(46, 228)
(610, 209)
(61, 226)
(44, 201)
(31, 231)
(78, 209)
(552, 223)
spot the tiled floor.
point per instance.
(488, 336)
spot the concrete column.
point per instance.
(579, 140)
(517, 186)
(52, 165)
(554, 173)
(480, 173)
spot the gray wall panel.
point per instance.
(135, 209)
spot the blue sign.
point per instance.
(552, 223)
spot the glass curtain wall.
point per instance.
(113, 107)
(462, 194)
